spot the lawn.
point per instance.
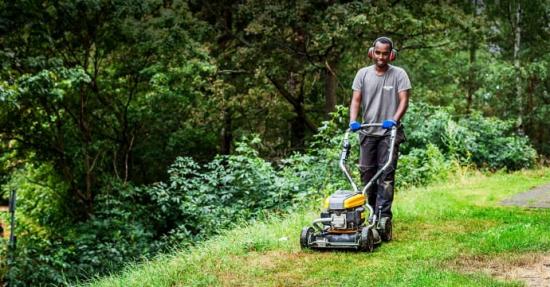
(443, 236)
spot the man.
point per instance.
(382, 92)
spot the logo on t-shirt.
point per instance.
(387, 88)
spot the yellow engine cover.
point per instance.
(355, 201)
(344, 200)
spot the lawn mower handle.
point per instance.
(346, 146)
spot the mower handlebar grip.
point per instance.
(346, 146)
(371, 125)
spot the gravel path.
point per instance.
(538, 197)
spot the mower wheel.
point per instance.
(386, 232)
(305, 237)
(366, 242)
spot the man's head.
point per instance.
(382, 51)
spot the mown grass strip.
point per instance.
(435, 227)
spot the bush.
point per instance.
(52, 249)
(203, 200)
(422, 166)
(486, 142)
(493, 143)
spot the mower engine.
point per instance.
(345, 210)
(342, 224)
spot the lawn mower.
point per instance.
(343, 223)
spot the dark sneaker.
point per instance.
(385, 228)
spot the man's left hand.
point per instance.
(388, 124)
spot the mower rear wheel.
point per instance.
(366, 243)
(305, 237)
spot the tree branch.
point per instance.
(298, 107)
(421, 46)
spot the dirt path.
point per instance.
(535, 274)
(531, 269)
(538, 197)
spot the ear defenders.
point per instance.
(393, 52)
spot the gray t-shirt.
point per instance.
(380, 94)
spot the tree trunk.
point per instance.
(529, 121)
(517, 66)
(472, 87)
(226, 133)
(330, 88)
(298, 126)
(297, 103)
(89, 177)
(471, 76)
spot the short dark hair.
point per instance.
(383, 40)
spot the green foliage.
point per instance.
(423, 166)
(40, 194)
(53, 250)
(201, 200)
(99, 246)
(493, 143)
(103, 90)
(485, 142)
(196, 202)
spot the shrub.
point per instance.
(422, 166)
(52, 249)
(486, 142)
(493, 143)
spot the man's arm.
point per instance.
(354, 106)
(403, 105)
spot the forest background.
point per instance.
(131, 127)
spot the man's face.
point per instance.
(381, 54)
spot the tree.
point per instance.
(79, 91)
(518, 38)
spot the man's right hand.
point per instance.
(354, 126)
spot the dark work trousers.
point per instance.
(373, 156)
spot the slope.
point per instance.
(437, 229)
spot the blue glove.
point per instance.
(388, 124)
(354, 126)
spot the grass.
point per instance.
(436, 230)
